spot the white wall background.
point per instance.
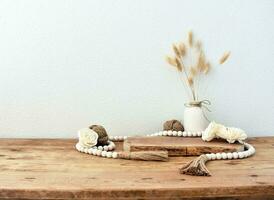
(68, 64)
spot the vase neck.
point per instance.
(193, 104)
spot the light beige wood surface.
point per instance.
(180, 146)
(52, 169)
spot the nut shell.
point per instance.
(102, 134)
(173, 125)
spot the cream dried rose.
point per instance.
(211, 131)
(232, 135)
(87, 137)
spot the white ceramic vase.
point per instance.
(194, 118)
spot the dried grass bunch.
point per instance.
(190, 61)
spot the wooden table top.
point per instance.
(53, 169)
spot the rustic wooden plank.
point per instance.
(179, 146)
(52, 169)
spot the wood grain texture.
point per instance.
(179, 146)
(53, 169)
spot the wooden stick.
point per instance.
(144, 155)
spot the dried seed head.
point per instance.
(193, 71)
(179, 65)
(182, 49)
(224, 57)
(201, 61)
(176, 51)
(207, 68)
(190, 81)
(171, 61)
(190, 38)
(198, 45)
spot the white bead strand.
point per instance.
(250, 150)
(107, 150)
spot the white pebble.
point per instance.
(105, 148)
(213, 156)
(189, 134)
(229, 155)
(184, 134)
(199, 133)
(169, 133)
(218, 156)
(165, 133)
(180, 133)
(114, 155)
(125, 137)
(160, 133)
(109, 154)
(235, 155)
(174, 133)
(100, 148)
(86, 150)
(111, 137)
(224, 156)
(99, 152)
(194, 134)
(90, 151)
(104, 153)
(241, 155)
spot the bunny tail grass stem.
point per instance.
(196, 167)
(144, 155)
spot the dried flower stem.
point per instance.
(224, 58)
(191, 74)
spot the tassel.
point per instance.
(144, 155)
(196, 167)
